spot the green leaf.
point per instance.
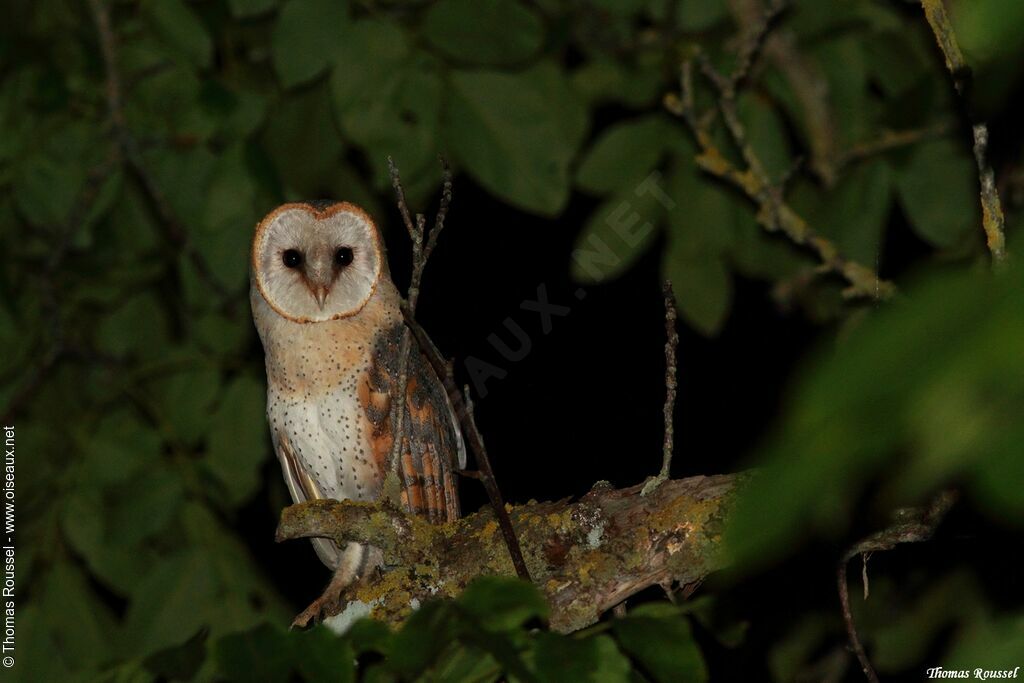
(493, 32)
(250, 8)
(663, 647)
(181, 29)
(238, 112)
(48, 181)
(843, 63)
(38, 645)
(306, 165)
(247, 596)
(171, 102)
(796, 648)
(184, 399)
(220, 335)
(701, 16)
(503, 129)
(77, 620)
(766, 135)
(304, 38)
(184, 176)
(138, 326)
(468, 664)
(995, 644)
(423, 636)
(119, 448)
(323, 657)
(223, 237)
(597, 659)
(854, 213)
(897, 62)
(624, 153)
(985, 29)
(703, 214)
(369, 635)
(264, 654)
(604, 80)
(618, 232)
(948, 353)
(702, 225)
(171, 604)
(387, 98)
(938, 189)
(501, 603)
(702, 284)
(145, 505)
(180, 662)
(238, 445)
(904, 623)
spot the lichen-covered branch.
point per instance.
(671, 385)
(753, 180)
(993, 221)
(585, 556)
(774, 213)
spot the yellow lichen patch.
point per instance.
(489, 530)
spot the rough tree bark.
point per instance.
(585, 556)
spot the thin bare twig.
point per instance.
(423, 247)
(890, 140)
(912, 525)
(993, 221)
(671, 342)
(751, 46)
(398, 405)
(851, 629)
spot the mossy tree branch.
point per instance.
(774, 213)
(993, 221)
(585, 556)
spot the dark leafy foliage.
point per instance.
(131, 369)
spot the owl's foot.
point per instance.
(314, 614)
(328, 604)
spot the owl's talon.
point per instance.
(330, 601)
(309, 616)
(327, 604)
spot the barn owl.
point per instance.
(329, 319)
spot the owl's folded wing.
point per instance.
(431, 445)
(303, 488)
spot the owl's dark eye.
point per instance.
(292, 258)
(343, 256)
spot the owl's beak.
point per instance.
(320, 293)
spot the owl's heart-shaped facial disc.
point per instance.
(315, 262)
